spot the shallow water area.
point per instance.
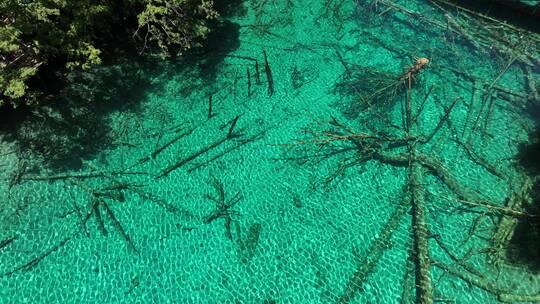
(331, 168)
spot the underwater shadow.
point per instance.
(525, 243)
(230, 8)
(508, 11)
(205, 62)
(222, 40)
(74, 126)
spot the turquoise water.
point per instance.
(306, 188)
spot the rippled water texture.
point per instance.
(336, 165)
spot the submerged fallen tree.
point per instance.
(404, 149)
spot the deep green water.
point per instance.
(308, 221)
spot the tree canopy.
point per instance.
(44, 39)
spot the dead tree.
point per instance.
(403, 148)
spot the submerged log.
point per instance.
(226, 151)
(223, 208)
(512, 298)
(257, 74)
(407, 295)
(118, 226)
(424, 288)
(210, 113)
(269, 76)
(506, 225)
(230, 134)
(99, 220)
(28, 266)
(6, 242)
(248, 82)
(176, 138)
(191, 157)
(503, 295)
(375, 252)
(442, 120)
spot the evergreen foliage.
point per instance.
(42, 40)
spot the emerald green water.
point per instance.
(294, 235)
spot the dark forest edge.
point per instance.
(42, 41)
(61, 117)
